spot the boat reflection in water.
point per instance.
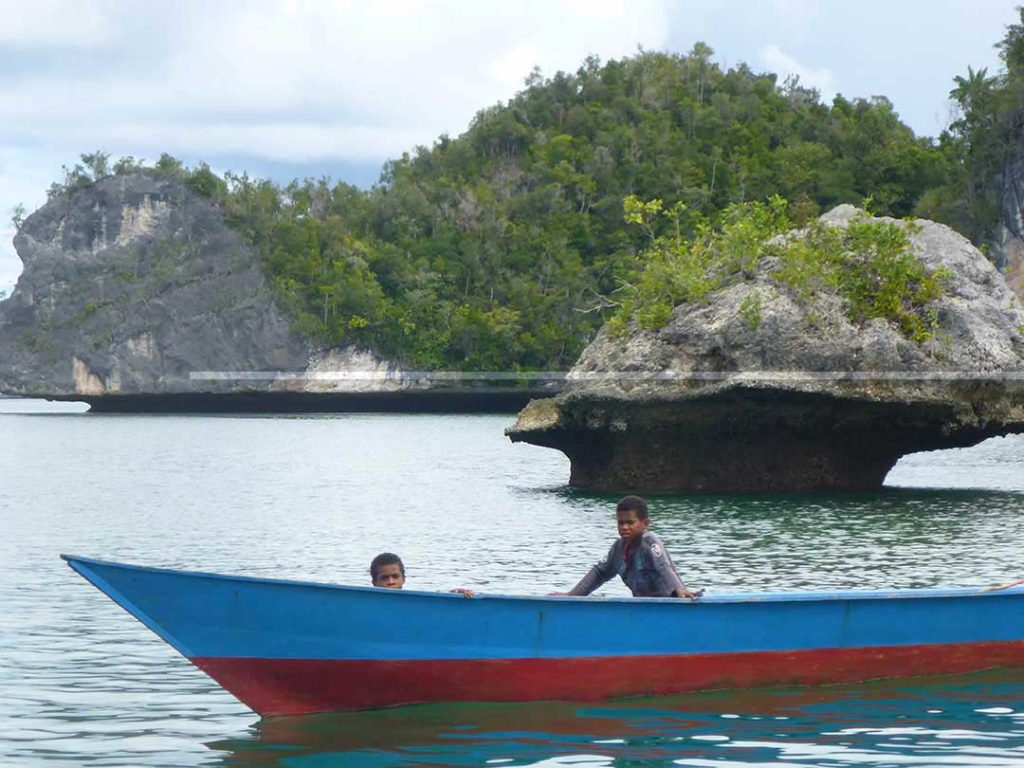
(967, 720)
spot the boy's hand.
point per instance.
(687, 594)
(462, 591)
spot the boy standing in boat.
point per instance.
(638, 557)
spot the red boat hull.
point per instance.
(298, 686)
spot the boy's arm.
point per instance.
(597, 575)
(667, 570)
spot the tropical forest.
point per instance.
(590, 196)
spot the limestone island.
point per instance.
(136, 295)
(770, 382)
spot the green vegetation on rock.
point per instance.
(869, 264)
(505, 248)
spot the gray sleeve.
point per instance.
(664, 566)
(597, 575)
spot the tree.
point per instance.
(983, 144)
(973, 92)
(1011, 47)
(18, 216)
(127, 164)
(97, 163)
(169, 167)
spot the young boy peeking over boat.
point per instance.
(638, 557)
(388, 572)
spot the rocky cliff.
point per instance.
(1009, 235)
(802, 399)
(135, 295)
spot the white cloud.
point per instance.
(64, 23)
(823, 80)
(400, 66)
(280, 79)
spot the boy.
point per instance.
(388, 571)
(638, 557)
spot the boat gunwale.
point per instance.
(713, 599)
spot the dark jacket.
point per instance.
(648, 571)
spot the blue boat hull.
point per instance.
(287, 647)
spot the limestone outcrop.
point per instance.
(136, 295)
(1008, 240)
(802, 399)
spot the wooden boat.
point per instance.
(289, 647)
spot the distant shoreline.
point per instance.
(435, 401)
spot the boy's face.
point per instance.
(389, 577)
(631, 526)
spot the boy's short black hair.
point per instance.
(385, 558)
(633, 504)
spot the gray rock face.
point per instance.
(137, 296)
(801, 399)
(1009, 237)
(130, 286)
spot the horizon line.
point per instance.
(571, 376)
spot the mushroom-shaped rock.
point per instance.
(802, 398)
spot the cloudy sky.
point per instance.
(287, 89)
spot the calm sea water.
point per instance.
(81, 683)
